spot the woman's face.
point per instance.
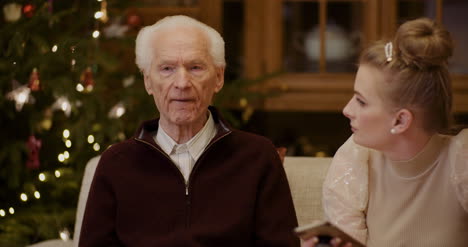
(371, 118)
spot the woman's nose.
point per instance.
(347, 110)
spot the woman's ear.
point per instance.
(403, 120)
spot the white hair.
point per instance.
(144, 44)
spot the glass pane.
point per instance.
(455, 19)
(344, 32)
(412, 9)
(233, 30)
(299, 21)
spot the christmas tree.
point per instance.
(68, 90)
(64, 98)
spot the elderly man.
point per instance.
(187, 178)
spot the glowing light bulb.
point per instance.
(57, 173)
(42, 177)
(61, 157)
(79, 87)
(65, 235)
(54, 48)
(23, 197)
(66, 154)
(68, 143)
(11, 210)
(96, 147)
(90, 139)
(37, 194)
(66, 133)
(96, 34)
(98, 15)
(2, 213)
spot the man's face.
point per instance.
(182, 77)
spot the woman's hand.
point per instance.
(335, 242)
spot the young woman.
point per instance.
(401, 180)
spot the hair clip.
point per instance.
(389, 51)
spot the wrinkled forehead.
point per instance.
(182, 37)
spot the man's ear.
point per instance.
(219, 79)
(403, 120)
(148, 85)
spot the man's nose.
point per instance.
(182, 79)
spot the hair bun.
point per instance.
(423, 44)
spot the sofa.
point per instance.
(305, 176)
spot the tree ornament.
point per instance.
(34, 83)
(46, 122)
(63, 104)
(28, 10)
(134, 20)
(12, 12)
(128, 81)
(104, 18)
(87, 80)
(115, 29)
(34, 145)
(50, 6)
(21, 95)
(117, 111)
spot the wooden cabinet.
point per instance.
(314, 44)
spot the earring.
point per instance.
(393, 131)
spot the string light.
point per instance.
(68, 143)
(24, 197)
(57, 173)
(90, 139)
(96, 147)
(64, 235)
(98, 15)
(2, 213)
(11, 210)
(61, 157)
(66, 133)
(37, 194)
(66, 154)
(96, 34)
(54, 48)
(79, 87)
(42, 177)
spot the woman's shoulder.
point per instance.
(459, 142)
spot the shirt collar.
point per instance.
(196, 145)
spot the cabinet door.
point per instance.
(314, 43)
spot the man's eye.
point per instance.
(167, 68)
(196, 67)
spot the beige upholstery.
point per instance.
(305, 177)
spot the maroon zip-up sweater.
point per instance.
(237, 195)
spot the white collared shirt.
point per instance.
(186, 154)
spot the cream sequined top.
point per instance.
(420, 202)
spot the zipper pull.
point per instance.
(186, 189)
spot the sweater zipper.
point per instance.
(195, 166)
(187, 184)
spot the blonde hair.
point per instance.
(144, 41)
(417, 76)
